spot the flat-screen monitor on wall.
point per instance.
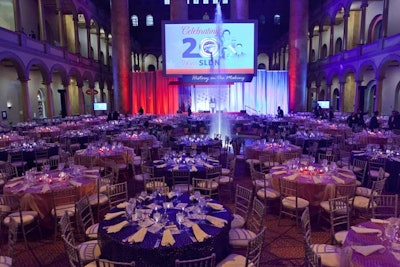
(324, 104)
(100, 106)
(199, 47)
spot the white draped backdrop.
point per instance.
(263, 95)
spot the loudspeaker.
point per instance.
(243, 111)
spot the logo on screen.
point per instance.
(209, 47)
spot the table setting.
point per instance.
(374, 243)
(316, 182)
(156, 229)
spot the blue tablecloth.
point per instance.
(147, 253)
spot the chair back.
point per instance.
(384, 206)
(181, 177)
(108, 263)
(65, 224)
(339, 211)
(207, 187)
(342, 190)
(214, 172)
(63, 197)
(152, 184)
(254, 249)
(117, 193)
(214, 152)
(266, 162)
(243, 199)
(258, 179)
(84, 213)
(328, 156)
(376, 163)
(288, 188)
(256, 218)
(288, 155)
(12, 237)
(360, 169)
(306, 226)
(8, 171)
(89, 161)
(208, 261)
(148, 170)
(72, 251)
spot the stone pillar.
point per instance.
(17, 16)
(364, 5)
(26, 104)
(89, 42)
(178, 10)
(98, 45)
(61, 31)
(41, 21)
(67, 100)
(385, 18)
(106, 60)
(49, 100)
(77, 44)
(357, 96)
(332, 39)
(320, 42)
(341, 96)
(101, 91)
(328, 93)
(297, 59)
(317, 90)
(378, 93)
(121, 52)
(279, 58)
(345, 30)
(111, 99)
(239, 9)
(284, 57)
(81, 99)
(310, 37)
(92, 99)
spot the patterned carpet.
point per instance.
(283, 243)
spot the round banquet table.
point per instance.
(316, 186)
(257, 149)
(150, 252)
(37, 196)
(384, 257)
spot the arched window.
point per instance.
(336, 98)
(261, 66)
(324, 51)
(205, 2)
(375, 31)
(166, 2)
(261, 19)
(277, 19)
(338, 45)
(135, 20)
(149, 20)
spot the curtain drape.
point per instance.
(154, 93)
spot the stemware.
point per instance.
(156, 216)
(180, 217)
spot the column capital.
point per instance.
(380, 77)
(364, 3)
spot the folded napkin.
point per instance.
(155, 228)
(291, 177)
(138, 236)
(368, 250)
(213, 160)
(180, 206)
(146, 223)
(13, 184)
(110, 216)
(23, 188)
(157, 161)
(363, 230)
(193, 169)
(175, 168)
(347, 175)
(123, 205)
(171, 194)
(95, 171)
(167, 238)
(198, 233)
(396, 159)
(117, 227)
(379, 221)
(162, 165)
(278, 168)
(279, 172)
(359, 154)
(215, 206)
(337, 179)
(91, 176)
(168, 205)
(75, 183)
(341, 170)
(153, 206)
(316, 180)
(218, 222)
(45, 188)
(208, 165)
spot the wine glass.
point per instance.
(156, 216)
(390, 233)
(197, 195)
(129, 212)
(180, 217)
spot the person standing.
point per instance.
(280, 112)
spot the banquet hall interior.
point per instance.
(174, 132)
